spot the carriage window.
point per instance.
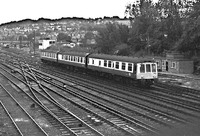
(99, 63)
(130, 66)
(105, 63)
(123, 66)
(80, 59)
(76, 59)
(109, 63)
(153, 67)
(142, 70)
(148, 68)
(117, 65)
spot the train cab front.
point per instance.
(146, 73)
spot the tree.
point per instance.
(63, 37)
(157, 26)
(145, 17)
(111, 36)
(89, 35)
(190, 39)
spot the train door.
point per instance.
(86, 61)
(57, 53)
(140, 72)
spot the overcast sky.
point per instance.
(15, 10)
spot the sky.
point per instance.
(15, 10)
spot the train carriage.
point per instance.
(48, 56)
(135, 68)
(76, 59)
(141, 69)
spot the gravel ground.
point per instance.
(189, 81)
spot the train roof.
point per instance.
(49, 51)
(121, 58)
(80, 54)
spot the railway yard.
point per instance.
(38, 99)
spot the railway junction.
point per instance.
(40, 99)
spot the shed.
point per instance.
(177, 63)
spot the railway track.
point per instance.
(120, 124)
(167, 103)
(86, 132)
(168, 100)
(79, 94)
(23, 121)
(5, 115)
(61, 128)
(187, 93)
(124, 124)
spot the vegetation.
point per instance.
(166, 25)
(63, 38)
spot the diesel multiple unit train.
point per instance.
(142, 70)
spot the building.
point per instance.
(43, 44)
(175, 62)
